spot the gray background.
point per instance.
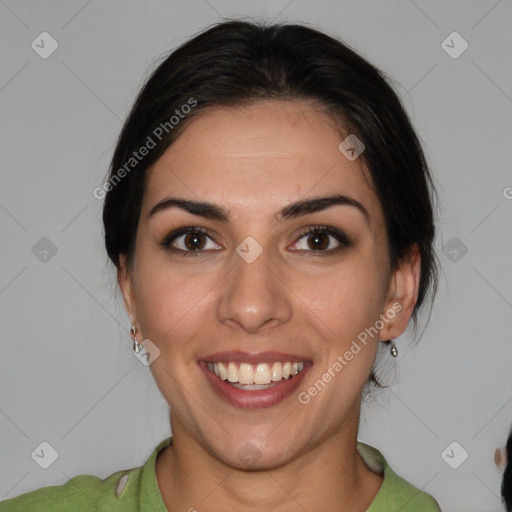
(68, 376)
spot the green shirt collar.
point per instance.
(394, 494)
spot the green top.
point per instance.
(137, 490)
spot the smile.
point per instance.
(255, 376)
(253, 381)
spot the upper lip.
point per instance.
(237, 356)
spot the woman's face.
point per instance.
(253, 288)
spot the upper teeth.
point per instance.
(262, 373)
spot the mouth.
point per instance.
(254, 377)
(254, 380)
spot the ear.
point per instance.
(402, 293)
(124, 279)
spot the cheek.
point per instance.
(172, 313)
(171, 304)
(346, 300)
(164, 303)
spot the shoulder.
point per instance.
(127, 490)
(82, 493)
(395, 493)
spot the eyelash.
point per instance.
(338, 235)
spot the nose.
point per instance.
(254, 297)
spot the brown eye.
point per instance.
(194, 241)
(322, 239)
(318, 241)
(190, 240)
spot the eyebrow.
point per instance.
(297, 209)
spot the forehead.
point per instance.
(258, 159)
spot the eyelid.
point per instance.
(342, 239)
(185, 230)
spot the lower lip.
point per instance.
(256, 399)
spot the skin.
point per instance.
(254, 161)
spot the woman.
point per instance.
(270, 215)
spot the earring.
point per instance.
(136, 345)
(393, 350)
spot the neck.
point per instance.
(332, 475)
